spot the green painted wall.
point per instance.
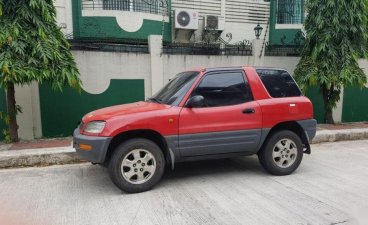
(355, 104)
(276, 35)
(3, 111)
(315, 96)
(61, 112)
(107, 27)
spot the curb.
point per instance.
(67, 155)
(340, 135)
(38, 157)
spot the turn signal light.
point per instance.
(85, 147)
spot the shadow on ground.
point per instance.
(185, 172)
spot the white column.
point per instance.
(258, 57)
(36, 110)
(337, 112)
(157, 70)
(23, 98)
(29, 121)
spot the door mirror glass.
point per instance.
(196, 101)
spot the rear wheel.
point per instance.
(282, 153)
(136, 165)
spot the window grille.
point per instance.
(290, 11)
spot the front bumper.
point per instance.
(99, 146)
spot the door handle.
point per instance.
(248, 111)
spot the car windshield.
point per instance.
(173, 92)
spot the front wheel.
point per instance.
(282, 153)
(136, 165)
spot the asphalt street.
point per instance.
(330, 187)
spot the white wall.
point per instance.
(174, 64)
(64, 15)
(288, 63)
(98, 68)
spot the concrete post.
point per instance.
(157, 70)
(29, 121)
(337, 112)
(36, 110)
(258, 57)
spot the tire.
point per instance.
(136, 165)
(282, 153)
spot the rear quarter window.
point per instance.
(279, 83)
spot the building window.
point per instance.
(157, 7)
(290, 11)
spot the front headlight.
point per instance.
(95, 127)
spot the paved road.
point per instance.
(330, 187)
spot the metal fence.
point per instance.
(283, 50)
(109, 46)
(158, 7)
(136, 46)
(206, 49)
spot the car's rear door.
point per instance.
(230, 122)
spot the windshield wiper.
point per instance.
(155, 100)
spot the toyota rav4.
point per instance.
(201, 114)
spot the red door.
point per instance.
(230, 121)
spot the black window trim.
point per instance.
(214, 72)
(278, 69)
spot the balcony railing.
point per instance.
(157, 7)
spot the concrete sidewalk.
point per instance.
(67, 155)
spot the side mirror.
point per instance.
(196, 101)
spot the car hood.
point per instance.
(121, 110)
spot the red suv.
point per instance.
(201, 114)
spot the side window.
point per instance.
(279, 83)
(222, 89)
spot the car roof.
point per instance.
(268, 68)
(234, 68)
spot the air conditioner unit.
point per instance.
(186, 19)
(214, 23)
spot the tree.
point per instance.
(32, 48)
(337, 36)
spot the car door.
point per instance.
(229, 122)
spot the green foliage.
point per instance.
(32, 47)
(337, 36)
(5, 132)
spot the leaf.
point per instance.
(7, 119)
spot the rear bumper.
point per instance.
(309, 127)
(99, 146)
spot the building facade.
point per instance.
(122, 20)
